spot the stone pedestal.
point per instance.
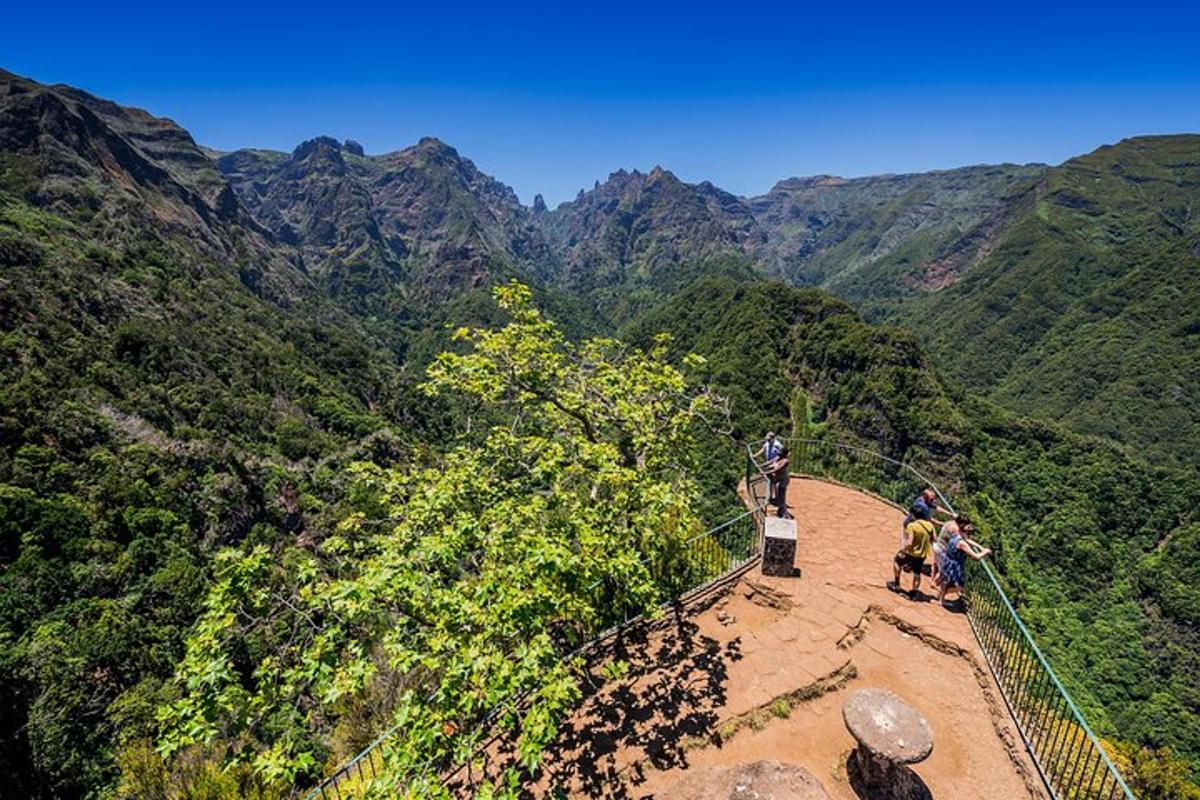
(891, 735)
(779, 547)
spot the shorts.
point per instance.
(907, 563)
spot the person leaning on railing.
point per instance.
(952, 572)
(924, 507)
(950, 528)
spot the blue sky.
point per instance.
(551, 97)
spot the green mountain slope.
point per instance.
(171, 384)
(1087, 311)
(887, 236)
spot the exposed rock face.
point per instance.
(761, 780)
(645, 223)
(423, 219)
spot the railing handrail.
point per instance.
(330, 782)
(1023, 631)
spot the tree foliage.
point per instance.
(468, 578)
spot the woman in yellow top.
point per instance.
(914, 549)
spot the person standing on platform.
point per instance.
(924, 507)
(940, 544)
(770, 448)
(768, 452)
(914, 549)
(953, 572)
(778, 470)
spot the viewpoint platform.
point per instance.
(759, 669)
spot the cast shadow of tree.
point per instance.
(670, 699)
(667, 701)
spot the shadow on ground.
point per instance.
(656, 711)
(905, 784)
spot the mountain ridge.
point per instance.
(395, 235)
(378, 224)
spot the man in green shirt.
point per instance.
(914, 549)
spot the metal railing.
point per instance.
(697, 564)
(1069, 757)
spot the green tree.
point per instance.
(1153, 774)
(466, 579)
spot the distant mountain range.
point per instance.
(1014, 275)
(871, 237)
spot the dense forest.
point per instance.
(206, 393)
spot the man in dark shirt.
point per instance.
(779, 480)
(924, 507)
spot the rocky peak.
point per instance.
(639, 223)
(423, 215)
(539, 204)
(435, 150)
(322, 149)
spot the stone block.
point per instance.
(779, 547)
